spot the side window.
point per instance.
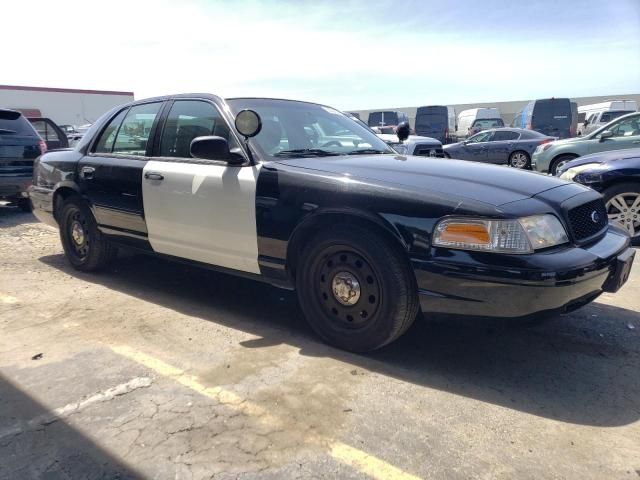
(134, 132)
(105, 143)
(505, 135)
(591, 118)
(187, 120)
(627, 127)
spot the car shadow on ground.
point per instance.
(580, 368)
(36, 444)
(12, 216)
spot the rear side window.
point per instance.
(505, 135)
(105, 143)
(13, 123)
(187, 120)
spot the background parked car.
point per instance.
(624, 132)
(436, 121)
(475, 120)
(598, 114)
(616, 175)
(387, 119)
(20, 144)
(51, 133)
(550, 116)
(415, 145)
(512, 146)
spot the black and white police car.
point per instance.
(299, 195)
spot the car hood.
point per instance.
(603, 157)
(567, 141)
(489, 184)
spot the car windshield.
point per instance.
(12, 122)
(300, 129)
(489, 123)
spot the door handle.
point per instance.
(87, 172)
(153, 176)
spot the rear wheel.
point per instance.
(519, 159)
(355, 289)
(623, 207)
(84, 246)
(559, 162)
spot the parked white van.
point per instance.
(591, 117)
(476, 120)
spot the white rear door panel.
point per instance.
(203, 212)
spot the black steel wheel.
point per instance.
(84, 246)
(356, 289)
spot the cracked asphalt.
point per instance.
(156, 370)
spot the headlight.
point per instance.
(570, 173)
(523, 235)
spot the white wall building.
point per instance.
(64, 106)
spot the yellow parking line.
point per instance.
(353, 457)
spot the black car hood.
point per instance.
(490, 184)
(603, 157)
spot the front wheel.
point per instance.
(84, 246)
(559, 162)
(519, 160)
(623, 208)
(355, 289)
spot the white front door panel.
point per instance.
(203, 212)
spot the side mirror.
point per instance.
(214, 148)
(403, 131)
(606, 134)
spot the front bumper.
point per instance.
(492, 285)
(14, 186)
(540, 162)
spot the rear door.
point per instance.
(552, 117)
(53, 135)
(19, 146)
(501, 145)
(202, 210)
(110, 176)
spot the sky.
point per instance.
(348, 54)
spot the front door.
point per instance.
(110, 175)
(475, 147)
(198, 209)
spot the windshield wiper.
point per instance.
(305, 152)
(366, 151)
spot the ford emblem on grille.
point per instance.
(595, 216)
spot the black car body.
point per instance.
(549, 116)
(19, 146)
(615, 174)
(512, 146)
(364, 235)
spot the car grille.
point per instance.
(587, 220)
(428, 151)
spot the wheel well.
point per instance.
(618, 181)
(59, 196)
(520, 151)
(558, 157)
(305, 233)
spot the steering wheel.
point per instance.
(332, 143)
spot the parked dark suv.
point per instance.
(20, 144)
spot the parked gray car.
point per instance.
(511, 146)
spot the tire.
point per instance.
(557, 162)
(24, 204)
(520, 159)
(446, 155)
(616, 198)
(386, 302)
(84, 246)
